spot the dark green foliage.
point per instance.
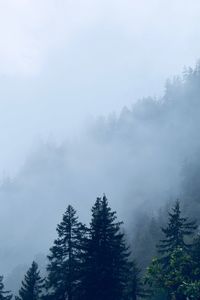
(64, 268)
(171, 273)
(176, 232)
(173, 278)
(32, 286)
(193, 287)
(4, 295)
(106, 258)
(195, 254)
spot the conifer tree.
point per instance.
(106, 257)
(171, 273)
(176, 232)
(32, 285)
(4, 295)
(65, 258)
(170, 280)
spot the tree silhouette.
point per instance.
(65, 258)
(32, 285)
(106, 255)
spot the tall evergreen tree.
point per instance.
(32, 285)
(106, 256)
(65, 258)
(171, 272)
(4, 295)
(178, 230)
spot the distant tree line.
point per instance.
(94, 262)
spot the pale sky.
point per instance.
(62, 62)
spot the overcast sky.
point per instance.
(63, 61)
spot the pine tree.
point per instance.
(178, 230)
(4, 295)
(171, 272)
(32, 285)
(64, 266)
(106, 256)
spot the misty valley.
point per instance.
(147, 161)
(99, 149)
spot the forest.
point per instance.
(146, 158)
(99, 150)
(96, 262)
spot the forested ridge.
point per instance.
(150, 157)
(142, 158)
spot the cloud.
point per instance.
(63, 60)
(31, 29)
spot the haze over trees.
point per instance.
(4, 295)
(145, 158)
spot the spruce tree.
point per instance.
(4, 295)
(171, 273)
(106, 256)
(64, 268)
(178, 230)
(32, 285)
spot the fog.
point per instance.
(136, 158)
(72, 127)
(63, 62)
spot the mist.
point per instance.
(64, 62)
(137, 158)
(86, 109)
